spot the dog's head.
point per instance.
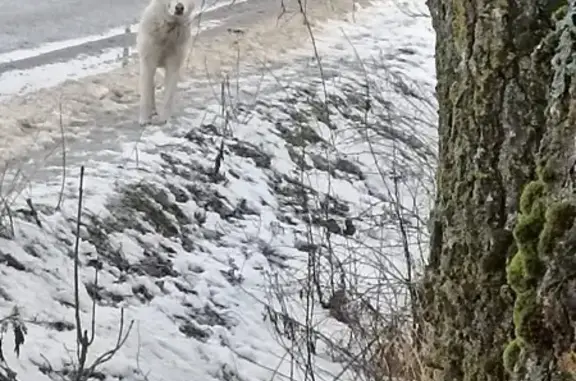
(179, 9)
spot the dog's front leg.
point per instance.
(147, 97)
(170, 86)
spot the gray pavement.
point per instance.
(28, 25)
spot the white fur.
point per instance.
(162, 42)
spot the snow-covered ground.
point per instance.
(204, 230)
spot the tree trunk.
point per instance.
(502, 270)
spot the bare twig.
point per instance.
(63, 137)
(83, 340)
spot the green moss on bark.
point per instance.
(525, 316)
(525, 267)
(557, 9)
(512, 354)
(533, 191)
(516, 273)
(560, 13)
(542, 223)
(559, 218)
(524, 270)
(529, 226)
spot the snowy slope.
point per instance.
(208, 265)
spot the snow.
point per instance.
(209, 267)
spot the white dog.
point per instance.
(162, 41)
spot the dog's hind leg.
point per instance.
(147, 97)
(154, 112)
(170, 86)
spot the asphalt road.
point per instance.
(26, 24)
(104, 15)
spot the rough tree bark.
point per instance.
(499, 294)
